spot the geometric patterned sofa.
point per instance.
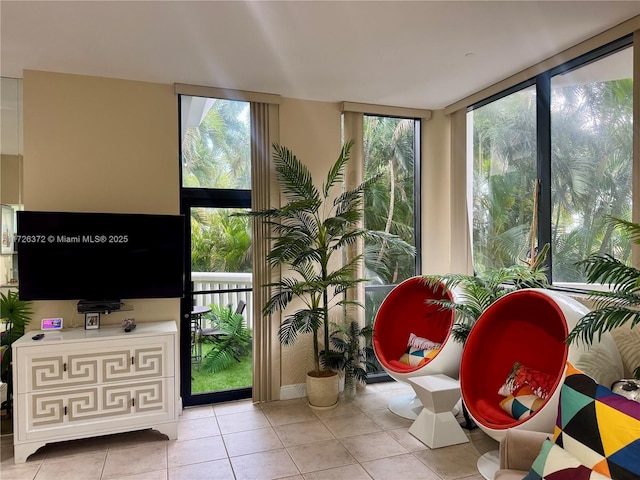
(599, 427)
(597, 436)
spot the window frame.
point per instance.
(542, 84)
(205, 197)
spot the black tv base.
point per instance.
(105, 306)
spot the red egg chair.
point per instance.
(403, 312)
(528, 326)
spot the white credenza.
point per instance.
(82, 383)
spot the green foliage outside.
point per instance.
(220, 241)
(238, 375)
(217, 152)
(389, 152)
(231, 343)
(591, 175)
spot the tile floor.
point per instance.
(279, 440)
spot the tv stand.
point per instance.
(82, 383)
(102, 306)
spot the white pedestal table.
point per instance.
(436, 426)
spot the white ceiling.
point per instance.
(414, 54)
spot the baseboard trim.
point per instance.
(289, 392)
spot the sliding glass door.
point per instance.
(216, 330)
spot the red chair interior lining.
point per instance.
(527, 327)
(403, 312)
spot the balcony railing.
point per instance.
(221, 282)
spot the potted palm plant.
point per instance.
(618, 306)
(473, 294)
(311, 232)
(351, 353)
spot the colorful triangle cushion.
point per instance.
(417, 357)
(598, 427)
(522, 403)
(554, 463)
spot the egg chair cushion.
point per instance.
(416, 357)
(520, 375)
(598, 427)
(422, 343)
(522, 403)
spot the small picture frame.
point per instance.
(91, 320)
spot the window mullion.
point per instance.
(543, 165)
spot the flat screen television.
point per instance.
(99, 256)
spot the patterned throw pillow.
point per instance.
(598, 427)
(422, 343)
(522, 403)
(554, 463)
(541, 383)
(416, 357)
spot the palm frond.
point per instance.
(613, 298)
(475, 293)
(352, 198)
(302, 321)
(231, 343)
(632, 230)
(597, 322)
(606, 269)
(16, 314)
(294, 177)
(336, 172)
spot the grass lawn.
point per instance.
(236, 376)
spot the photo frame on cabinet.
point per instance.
(91, 320)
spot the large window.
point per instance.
(216, 144)
(504, 176)
(569, 131)
(391, 147)
(216, 183)
(591, 158)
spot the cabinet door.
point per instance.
(98, 408)
(95, 362)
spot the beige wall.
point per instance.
(436, 205)
(100, 145)
(313, 132)
(10, 179)
(108, 145)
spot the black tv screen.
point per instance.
(99, 256)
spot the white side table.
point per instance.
(436, 426)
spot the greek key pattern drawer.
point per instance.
(96, 403)
(99, 367)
